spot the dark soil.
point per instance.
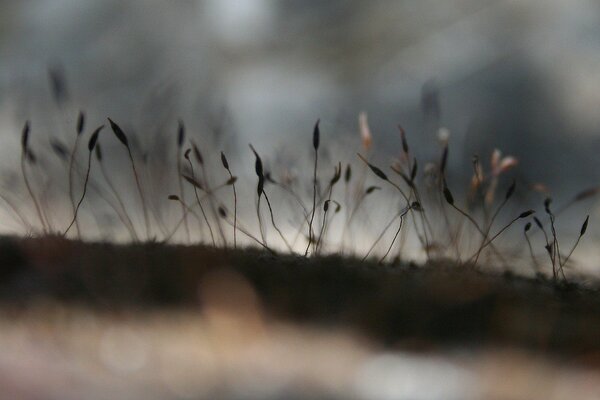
(423, 308)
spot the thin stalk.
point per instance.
(211, 204)
(489, 227)
(31, 194)
(394, 239)
(71, 189)
(275, 225)
(536, 267)
(125, 216)
(141, 193)
(324, 221)
(26, 225)
(312, 217)
(251, 236)
(212, 236)
(181, 193)
(87, 177)
(523, 215)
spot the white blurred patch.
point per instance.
(393, 377)
(239, 23)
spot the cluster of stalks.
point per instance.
(425, 204)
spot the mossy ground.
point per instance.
(418, 307)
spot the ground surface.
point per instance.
(158, 321)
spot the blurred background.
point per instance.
(521, 76)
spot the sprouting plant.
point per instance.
(421, 186)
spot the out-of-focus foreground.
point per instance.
(169, 322)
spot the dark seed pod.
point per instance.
(378, 172)
(224, 161)
(186, 154)
(584, 226)
(527, 227)
(58, 84)
(348, 174)
(180, 134)
(511, 190)
(98, 153)
(526, 214)
(31, 157)
(198, 154)
(80, 122)
(547, 203)
(231, 180)
(222, 212)
(406, 179)
(25, 136)
(415, 205)
(316, 135)
(193, 182)
(260, 186)
(448, 195)
(59, 149)
(403, 138)
(326, 205)
(269, 178)
(119, 133)
(371, 189)
(173, 197)
(258, 165)
(413, 171)
(444, 160)
(538, 222)
(336, 175)
(94, 138)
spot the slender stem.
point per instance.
(71, 189)
(495, 236)
(31, 194)
(564, 262)
(531, 252)
(87, 177)
(275, 225)
(234, 212)
(489, 227)
(17, 212)
(556, 252)
(382, 234)
(211, 204)
(312, 217)
(251, 236)
(394, 239)
(182, 194)
(212, 236)
(141, 193)
(187, 209)
(124, 216)
(324, 221)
